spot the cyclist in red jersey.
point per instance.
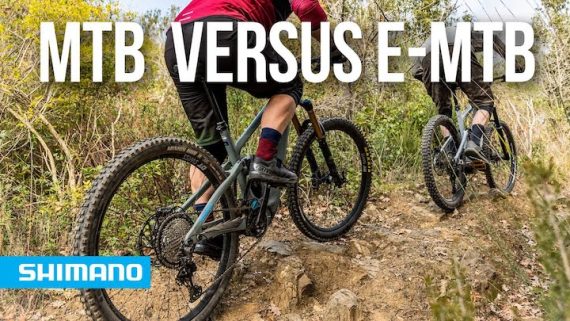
(283, 97)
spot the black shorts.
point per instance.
(192, 94)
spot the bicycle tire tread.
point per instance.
(299, 152)
(426, 151)
(109, 175)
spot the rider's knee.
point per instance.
(295, 90)
(490, 108)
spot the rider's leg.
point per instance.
(481, 97)
(478, 124)
(279, 112)
(204, 122)
(441, 95)
(276, 118)
(283, 98)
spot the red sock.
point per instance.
(268, 142)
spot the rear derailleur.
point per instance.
(184, 277)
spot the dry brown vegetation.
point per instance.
(54, 138)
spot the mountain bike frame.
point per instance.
(237, 167)
(464, 131)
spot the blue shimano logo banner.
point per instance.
(79, 272)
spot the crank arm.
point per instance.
(266, 191)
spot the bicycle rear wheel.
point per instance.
(132, 210)
(500, 149)
(325, 207)
(445, 181)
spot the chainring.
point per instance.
(169, 239)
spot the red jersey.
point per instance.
(265, 12)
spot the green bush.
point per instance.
(552, 231)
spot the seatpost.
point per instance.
(222, 127)
(214, 103)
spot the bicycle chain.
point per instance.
(238, 260)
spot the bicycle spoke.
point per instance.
(328, 200)
(502, 168)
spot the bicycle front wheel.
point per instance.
(132, 210)
(500, 149)
(445, 180)
(334, 180)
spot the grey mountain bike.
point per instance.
(445, 167)
(141, 204)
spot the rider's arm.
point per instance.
(498, 47)
(309, 11)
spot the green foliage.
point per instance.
(552, 29)
(54, 136)
(452, 299)
(394, 120)
(552, 230)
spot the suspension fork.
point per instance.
(310, 155)
(323, 145)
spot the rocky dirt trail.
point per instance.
(379, 271)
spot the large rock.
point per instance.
(290, 317)
(342, 306)
(291, 284)
(359, 247)
(324, 247)
(276, 247)
(371, 266)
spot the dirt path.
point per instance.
(402, 241)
